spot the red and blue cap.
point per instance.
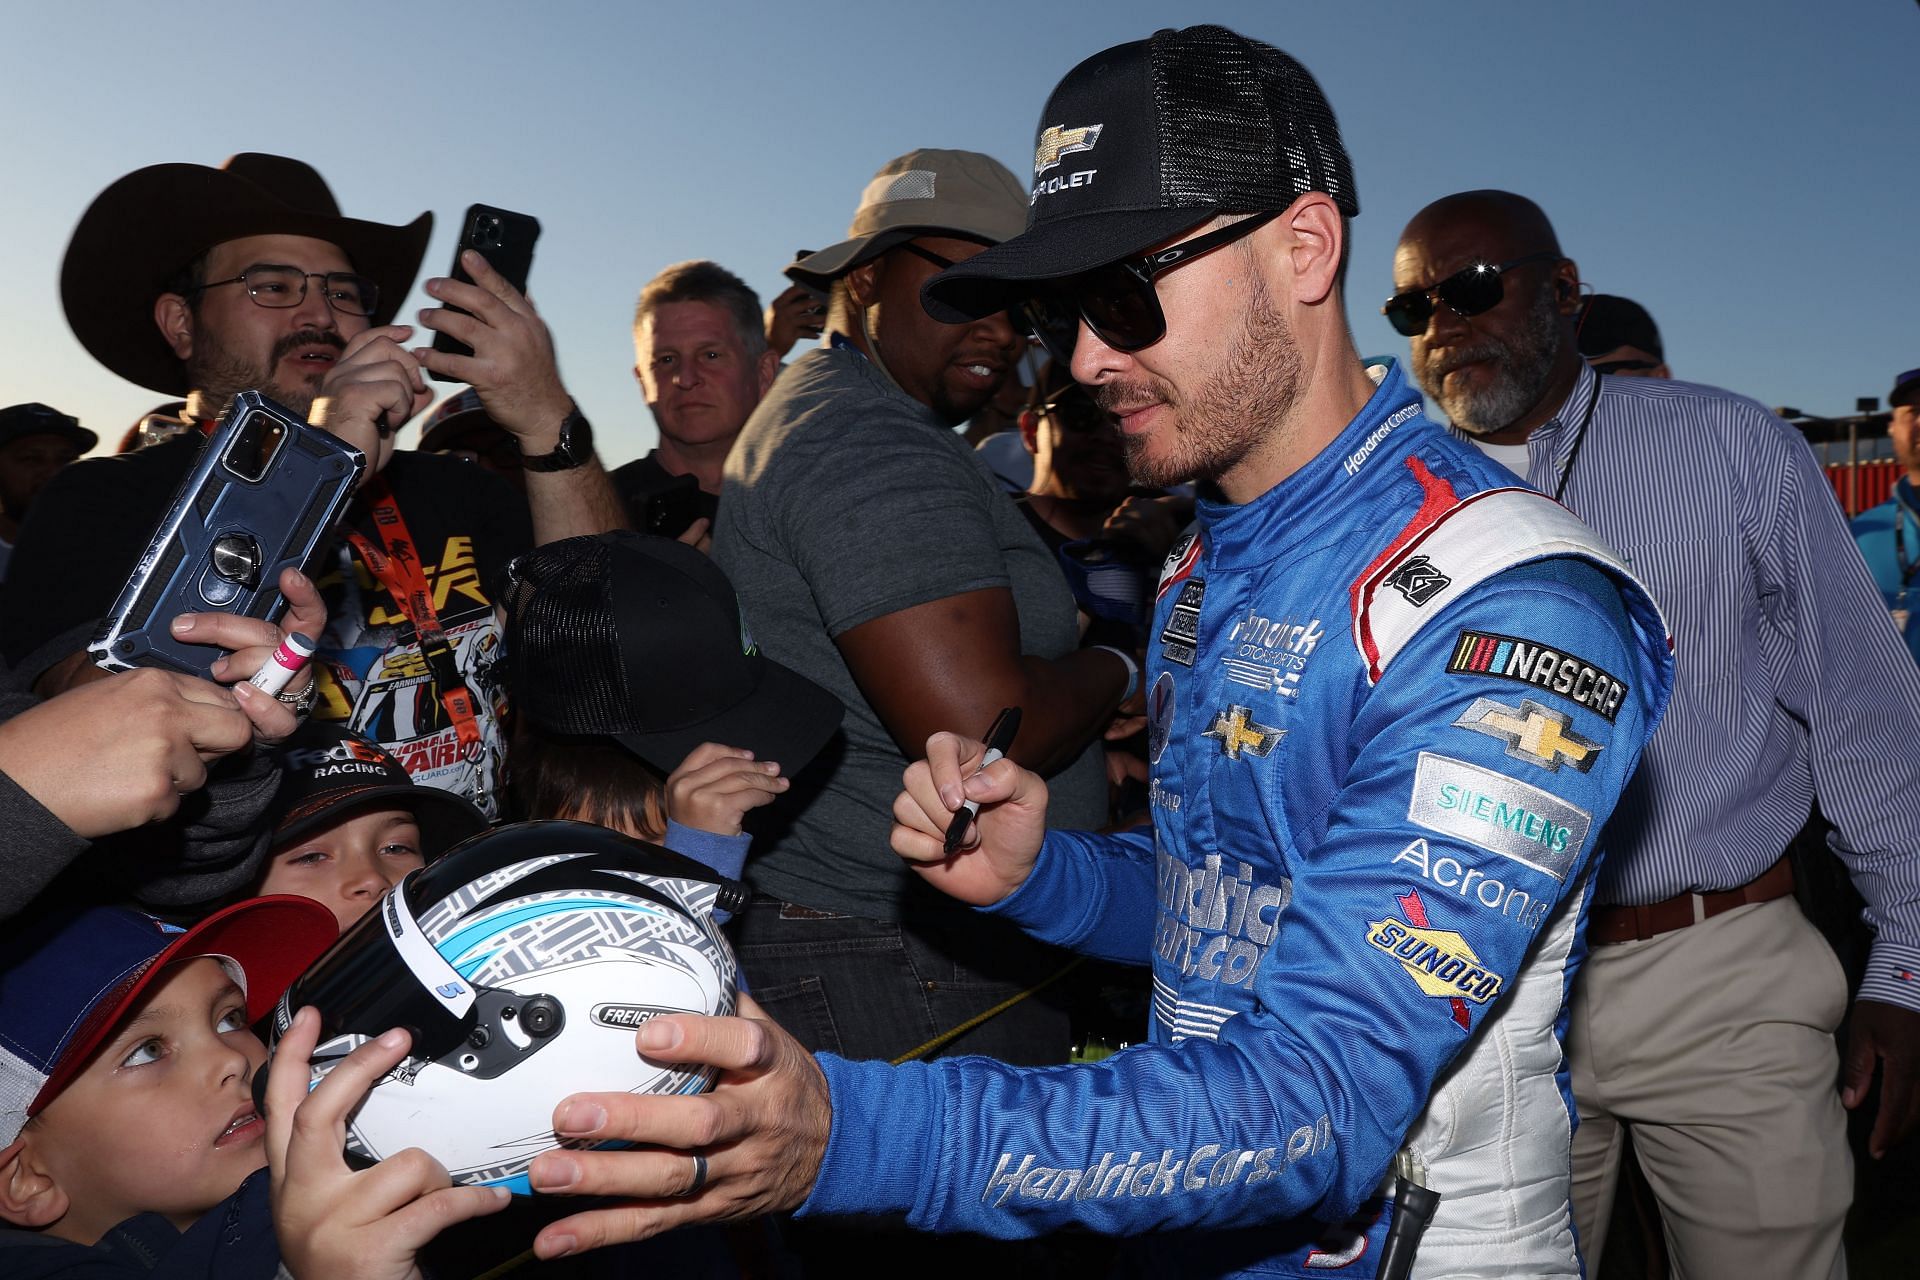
(69, 979)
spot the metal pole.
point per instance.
(1853, 467)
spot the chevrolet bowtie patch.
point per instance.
(1532, 733)
(1236, 730)
(1058, 140)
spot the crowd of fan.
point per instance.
(732, 646)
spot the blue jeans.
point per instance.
(866, 988)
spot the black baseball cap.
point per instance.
(1610, 322)
(1147, 140)
(18, 421)
(327, 772)
(640, 639)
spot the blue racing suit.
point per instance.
(1391, 704)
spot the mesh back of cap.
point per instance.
(1243, 126)
(563, 646)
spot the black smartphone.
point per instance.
(505, 239)
(671, 510)
(820, 296)
(266, 489)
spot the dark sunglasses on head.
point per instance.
(1117, 300)
(1466, 292)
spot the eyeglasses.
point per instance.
(1076, 413)
(1118, 300)
(1466, 292)
(920, 251)
(278, 287)
(1625, 366)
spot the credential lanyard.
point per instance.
(396, 563)
(1901, 514)
(1579, 438)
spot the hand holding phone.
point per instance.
(672, 509)
(505, 239)
(266, 489)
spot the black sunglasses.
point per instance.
(1467, 292)
(1117, 300)
(1625, 366)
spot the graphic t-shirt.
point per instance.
(372, 674)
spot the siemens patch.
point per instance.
(1485, 653)
(1502, 815)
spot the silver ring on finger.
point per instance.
(699, 1177)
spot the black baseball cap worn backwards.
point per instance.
(1150, 139)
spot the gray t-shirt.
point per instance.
(847, 500)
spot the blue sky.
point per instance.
(1743, 169)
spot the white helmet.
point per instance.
(521, 962)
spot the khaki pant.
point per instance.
(1715, 1044)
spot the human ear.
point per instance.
(1028, 424)
(175, 319)
(1566, 288)
(769, 370)
(863, 283)
(1316, 239)
(29, 1197)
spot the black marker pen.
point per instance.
(999, 739)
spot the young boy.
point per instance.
(132, 1145)
(349, 822)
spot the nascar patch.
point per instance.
(1487, 653)
(1441, 962)
(1502, 815)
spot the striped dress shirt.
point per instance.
(1790, 682)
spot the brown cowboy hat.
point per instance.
(150, 224)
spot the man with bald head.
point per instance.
(1704, 1016)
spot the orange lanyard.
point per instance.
(396, 563)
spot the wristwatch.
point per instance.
(574, 447)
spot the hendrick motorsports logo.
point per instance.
(1439, 961)
(1058, 140)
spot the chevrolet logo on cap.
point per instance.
(1532, 733)
(1058, 140)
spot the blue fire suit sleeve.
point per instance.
(1374, 973)
(1088, 893)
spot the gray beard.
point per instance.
(1526, 368)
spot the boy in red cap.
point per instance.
(132, 1143)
